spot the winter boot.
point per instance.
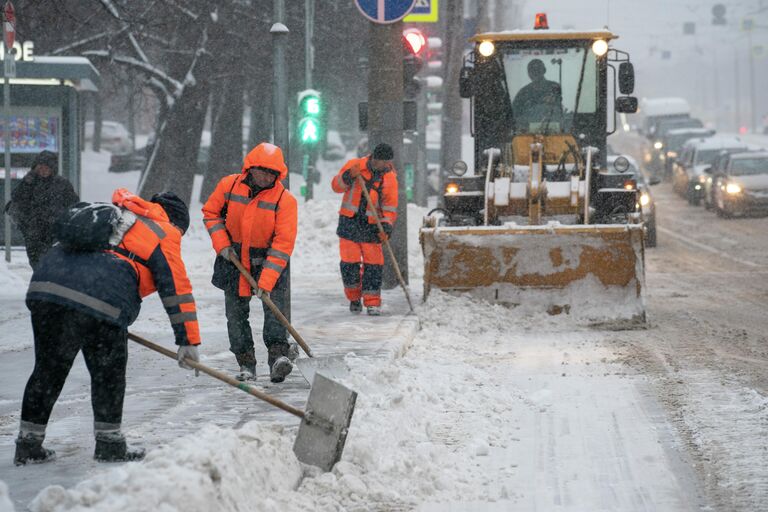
(374, 310)
(247, 362)
(116, 451)
(355, 306)
(29, 448)
(279, 363)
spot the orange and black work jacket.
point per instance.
(356, 219)
(260, 226)
(109, 285)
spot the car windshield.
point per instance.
(706, 156)
(545, 85)
(675, 142)
(749, 166)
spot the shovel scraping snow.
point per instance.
(324, 423)
(331, 366)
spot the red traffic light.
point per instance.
(415, 39)
(541, 21)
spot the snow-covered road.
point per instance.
(479, 410)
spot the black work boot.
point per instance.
(247, 362)
(116, 451)
(355, 306)
(30, 449)
(279, 362)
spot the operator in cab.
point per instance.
(540, 102)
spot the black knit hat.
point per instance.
(48, 158)
(383, 152)
(177, 211)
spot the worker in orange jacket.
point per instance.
(253, 217)
(84, 300)
(362, 260)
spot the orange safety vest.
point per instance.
(268, 220)
(153, 247)
(383, 192)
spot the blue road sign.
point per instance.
(385, 11)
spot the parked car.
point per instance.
(633, 177)
(741, 187)
(136, 160)
(688, 177)
(114, 137)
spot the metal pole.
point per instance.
(736, 89)
(385, 124)
(280, 107)
(7, 141)
(752, 102)
(308, 161)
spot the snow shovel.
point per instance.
(386, 242)
(324, 423)
(330, 366)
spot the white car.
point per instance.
(114, 137)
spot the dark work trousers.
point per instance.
(60, 333)
(237, 310)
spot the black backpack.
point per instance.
(86, 227)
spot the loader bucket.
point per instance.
(594, 273)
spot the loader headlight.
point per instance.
(486, 48)
(733, 188)
(600, 47)
(451, 189)
(644, 199)
(658, 144)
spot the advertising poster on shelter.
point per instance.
(31, 133)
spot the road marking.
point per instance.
(691, 241)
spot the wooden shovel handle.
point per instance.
(386, 241)
(272, 306)
(220, 376)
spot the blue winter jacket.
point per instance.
(98, 283)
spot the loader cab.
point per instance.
(542, 82)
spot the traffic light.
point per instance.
(310, 128)
(414, 44)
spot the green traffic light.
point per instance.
(309, 131)
(312, 106)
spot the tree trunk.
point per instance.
(226, 152)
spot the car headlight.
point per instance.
(702, 179)
(451, 189)
(671, 154)
(658, 144)
(733, 188)
(644, 199)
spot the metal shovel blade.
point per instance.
(333, 367)
(323, 430)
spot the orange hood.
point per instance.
(268, 156)
(130, 201)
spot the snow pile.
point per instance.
(416, 430)
(5, 500)
(317, 246)
(215, 469)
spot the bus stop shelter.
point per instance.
(46, 113)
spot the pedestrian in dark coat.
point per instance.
(38, 200)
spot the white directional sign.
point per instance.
(385, 11)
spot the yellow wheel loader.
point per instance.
(543, 224)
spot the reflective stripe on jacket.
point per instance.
(267, 221)
(153, 247)
(382, 189)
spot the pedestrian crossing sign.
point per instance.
(424, 11)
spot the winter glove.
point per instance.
(387, 231)
(262, 292)
(228, 253)
(187, 352)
